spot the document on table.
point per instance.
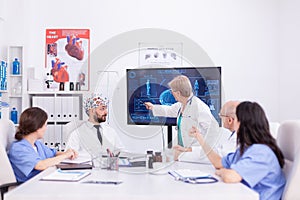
(60, 175)
(79, 159)
(132, 156)
(124, 162)
(188, 173)
(192, 176)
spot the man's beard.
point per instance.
(100, 119)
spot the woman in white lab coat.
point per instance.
(190, 111)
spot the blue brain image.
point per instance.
(166, 98)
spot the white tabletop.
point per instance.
(136, 185)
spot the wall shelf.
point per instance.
(15, 81)
(14, 95)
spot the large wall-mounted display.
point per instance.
(67, 56)
(151, 85)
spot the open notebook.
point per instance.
(61, 175)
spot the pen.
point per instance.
(109, 153)
(175, 175)
(117, 155)
(104, 182)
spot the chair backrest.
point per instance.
(69, 127)
(7, 131)
(274, 126)
(6, 173)
(288, 140)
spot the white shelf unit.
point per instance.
(15, 83)
(61, 107)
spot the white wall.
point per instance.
(289, 107)
(255, 42)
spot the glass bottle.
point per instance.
(149, 159)
(158, 157)
(18, 88)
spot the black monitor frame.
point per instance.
(208, 83)
(209, 91)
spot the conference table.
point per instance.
(137, 183)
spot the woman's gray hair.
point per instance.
(182, 84)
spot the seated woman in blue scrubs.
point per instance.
(258, 161)
(28, 155)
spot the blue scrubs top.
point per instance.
(23, 158)
(260, 170)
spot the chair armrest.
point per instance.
(4, 188)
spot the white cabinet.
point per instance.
(61, 107)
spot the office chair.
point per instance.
(7, 130)
(7, 176)
(274, 126)
(289, 142)
(69, 127)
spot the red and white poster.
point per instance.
(67, 56)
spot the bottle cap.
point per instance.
(149, 152)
